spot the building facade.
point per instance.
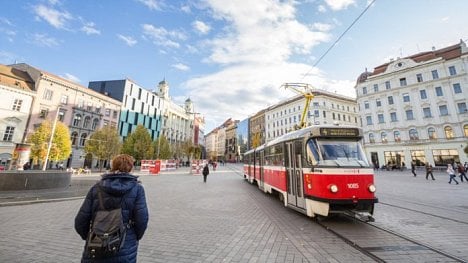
(257, 129)
(16, 99)
(414, 109)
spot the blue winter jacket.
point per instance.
(134, 208)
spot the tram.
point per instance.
(319, 170)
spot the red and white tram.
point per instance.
(318, 170)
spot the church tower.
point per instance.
(163, 87)
(188, 106)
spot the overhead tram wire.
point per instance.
(339, 38)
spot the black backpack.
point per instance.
(107, 230)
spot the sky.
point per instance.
(230, 57)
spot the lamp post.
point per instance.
(51, 139)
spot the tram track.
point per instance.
(383, 245)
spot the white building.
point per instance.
(325, 107)
(16, 98)
(415, 108)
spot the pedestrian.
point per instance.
(205, 172)
(413, 168)
(26, 166)
(120, 189)
(451, 173)
(461, 172)
(429, 171)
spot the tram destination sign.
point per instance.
(339, 132)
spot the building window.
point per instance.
(396, 136)
(465, 130)
(419, 157)
(43, 113)
(402, 82)
(17, 105)
(449, 133)
(366, 105)
(114, 114)
(384, 137)
(333, 115)
(452, 70)
(393, 117)
(376, 87)
(87, 121)
(47, 94)
(95, 124)
(74, 136)
(390, 100)
(439, 92)
(64, 99)
(316, 114)
(89, 107)
(371, 138)
(381, 118)
(61, 116)
(419, 77)
(83, 139)
(8, 135)
(409, 115)
(406, 97)
(387, 85)
(427, 112)
(422, 94)
(364, 90)
(369, 120)
(77, 120)
(443, 110)
(435, 74)
(457, 88)
(444, 157)
(462, 107)
(378, 103)
(413, 134)
(431, 133)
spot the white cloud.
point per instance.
(45, 41)
(162, 37)
(151, 4)
(52, 16)
(336, 5)
(130, 41)
(322, 9)
(89, 29)
(201, 27)
(71, 78)
(181, 67)
(186, 9)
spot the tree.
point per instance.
(61, 144)
(164, 151)
(139, 144)
(103, 144)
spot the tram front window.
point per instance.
(344, 153)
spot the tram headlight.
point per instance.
(333, 188)
(371, 188)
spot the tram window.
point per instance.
(312, 153)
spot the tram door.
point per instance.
(294, 174)
(261, 163)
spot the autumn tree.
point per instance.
(139, 144)
(162, 149)
(61, 145)
(103, 144)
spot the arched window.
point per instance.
(396, 136)
(74, 136)
(95, 124)
(371, 138)
(87, 121)
(449, 132)
(465, 130)
(413, 134)
(77, 120)
(83, 139)
(431, 133)
(384, 137)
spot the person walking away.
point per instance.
(205, 172)
(118, 188)
(429, 171)
(451, 173)
(413, 168)
(462, 172)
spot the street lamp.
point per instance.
(51, 139)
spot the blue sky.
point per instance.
(229, 57)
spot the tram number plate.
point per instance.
(353, 185)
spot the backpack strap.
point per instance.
(101, 202)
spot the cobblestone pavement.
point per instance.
(229, 220)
